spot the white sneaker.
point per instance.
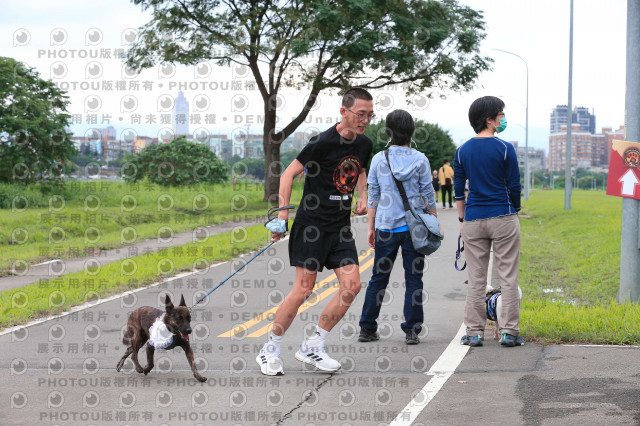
(312, 352)
(269, 361)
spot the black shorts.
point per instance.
(314, 249)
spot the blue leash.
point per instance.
(269, 213)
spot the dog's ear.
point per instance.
(182, 302)
(168, 304)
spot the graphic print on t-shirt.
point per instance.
(346, 174)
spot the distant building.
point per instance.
(253, 147)
(585, 119)
(116, 149)
(238, 148)
(587, 150)
(215, 146)
(611, 134)
(81, 143)
(288, 145)
(301, 139)
(558, 118)
(95, 147)
(142, 142)
(580, 115)
(181, 115)
(537, 157)
(102, 133)
(108, 134)
(226, 149)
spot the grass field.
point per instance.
(570, 270)
(57, 295)
(85, 217)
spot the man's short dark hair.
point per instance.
(483, 108)
(445, 161)
(349, 98)
(399, 126)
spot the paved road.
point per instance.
(63, 371)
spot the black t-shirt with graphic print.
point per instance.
(332, 166)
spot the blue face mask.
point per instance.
(502, 126)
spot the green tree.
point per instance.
(119, 161)
(34, 145)
(426, 46)
(541, 178)
(287, 157)
(431, 140)
(178, 162)
(249, 166)
(233, 160)
(83, 159)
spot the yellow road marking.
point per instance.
(250, 323)
(313, 300)
(259, 318)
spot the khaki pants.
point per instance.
(504, 231)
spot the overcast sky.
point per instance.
(40, 32)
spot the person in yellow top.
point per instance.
(445, 175)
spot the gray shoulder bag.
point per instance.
(426, 234)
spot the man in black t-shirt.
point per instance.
(321, 236)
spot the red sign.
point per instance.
(624, 170)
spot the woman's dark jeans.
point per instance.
(386, 250)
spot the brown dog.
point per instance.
(177, 321)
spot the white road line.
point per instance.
(93, 303)
(118, 296)
(441, 370)
(46, 263)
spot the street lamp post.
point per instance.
(526, 137)
(567, 168)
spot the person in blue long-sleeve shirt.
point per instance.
(489, 215)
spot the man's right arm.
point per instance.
(286, 185)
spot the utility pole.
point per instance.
(526, 135)
(567, 173)
(630, 243)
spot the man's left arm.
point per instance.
(361, 190)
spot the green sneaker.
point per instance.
(510, 340)
(471, 340)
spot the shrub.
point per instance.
(178, 162)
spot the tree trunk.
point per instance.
(273, 168)
(272, 142)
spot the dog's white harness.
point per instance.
(159, 335)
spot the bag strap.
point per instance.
(459, 252)
(403, 194)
